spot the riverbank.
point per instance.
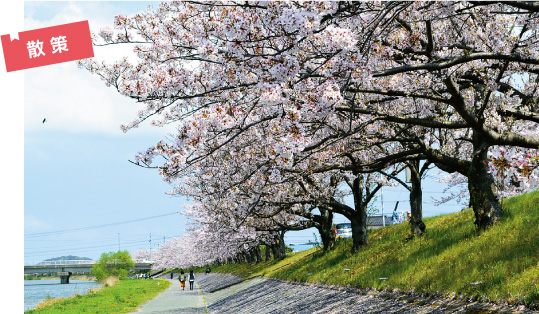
(451, 260)
(451, 268)
(218, 293)
(39, 291)
(122, 297)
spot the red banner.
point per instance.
(48, 45)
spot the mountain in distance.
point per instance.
(68, 258)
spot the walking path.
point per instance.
(175, 300)
(222, 293)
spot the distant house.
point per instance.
(376, 221)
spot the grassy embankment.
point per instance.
(122, 296)
(451, 259)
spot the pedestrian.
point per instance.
(182, 279)
(191, 279)
(171, 275)
(208, 270)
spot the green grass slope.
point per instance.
(501, 263)
(123, 297)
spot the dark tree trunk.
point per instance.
(252, 256)
(258, 256)
(326, 228)
(358, 214)
(268, 252)
(416, 200)
(359, 218)
(359, 230)
(483, 200)
(282, 246)
(275, 251)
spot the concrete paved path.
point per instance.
(175, 300)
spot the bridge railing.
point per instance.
(61, 262)
(143, 261)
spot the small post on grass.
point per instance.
(474, 286)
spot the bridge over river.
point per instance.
(66, 268)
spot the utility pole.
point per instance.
(118, 242)
(382, 199)
(150, 246)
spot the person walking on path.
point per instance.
(171, 275)
(174, 301)
(182, 279)
(191, 279)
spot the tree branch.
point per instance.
(513, 57)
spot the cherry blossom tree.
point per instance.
(140, 256)
(225, 125)
(453, 66)
(265, 91)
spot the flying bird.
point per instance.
(44, 120)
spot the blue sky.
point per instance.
(77, 174)
(75, 165)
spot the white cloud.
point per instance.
(44, 14)
(70, 98)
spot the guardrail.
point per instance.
(60, 262)
(72, 262)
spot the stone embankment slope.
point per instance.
(217, 281)
(263, 295)
(228, 294)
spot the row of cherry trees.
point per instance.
(285, 108)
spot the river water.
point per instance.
(36, 291)
(301, 247)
